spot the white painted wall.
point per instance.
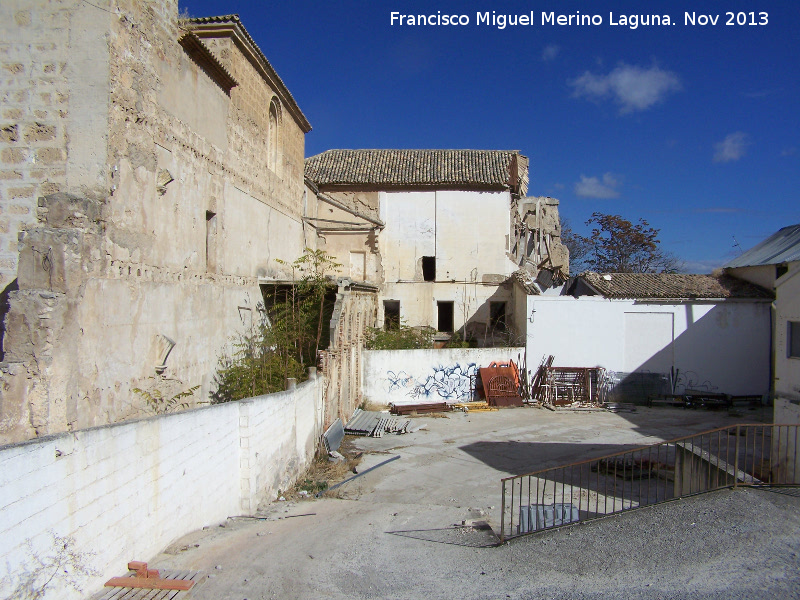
(787, 308)
(722, 347)
(124, 492)
(427, 376)
(466, 231)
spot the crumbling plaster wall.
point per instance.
(466, 232)
(342, 363)
(357, 251)
(184, 216)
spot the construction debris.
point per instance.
(576, 387)
(333, 437)
(476, 406)
(150, 579)
(375, 424)
(407, 409)
(501, 384)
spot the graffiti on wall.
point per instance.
(455, 382)
(398, 380)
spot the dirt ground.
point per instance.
(396, 531)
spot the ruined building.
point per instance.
(151, 170)
(440, 231)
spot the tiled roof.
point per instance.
(202, 25)
(781, 247)
(467, 168)
(526, 282)
(652, 286)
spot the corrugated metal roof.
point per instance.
(673, 286)
(781, 247)
(472, 168)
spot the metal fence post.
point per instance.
(503, 514)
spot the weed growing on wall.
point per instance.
(62, 566)
(164, 395)
(288, 339)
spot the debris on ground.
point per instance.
(501, 384)
(476, 406)
(333, 436)
(417, 409)
(375, 424)
(323, 473)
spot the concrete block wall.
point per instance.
(123, 492)
(422, 376)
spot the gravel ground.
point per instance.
(397, 534)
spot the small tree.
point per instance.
(618, 246)
(287, 341)
(578, 246)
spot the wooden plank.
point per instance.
(150, 583)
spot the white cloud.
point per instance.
(633, 88)
(550, 52)
(594, 187)
(732, 148)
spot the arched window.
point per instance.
(272, 143)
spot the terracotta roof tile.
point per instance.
(469, 168)
(672, 286)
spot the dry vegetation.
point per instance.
(323, 474)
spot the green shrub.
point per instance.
(402, 338)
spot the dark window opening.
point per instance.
(391, 315)
(211, 241)
(445, 316)
(497, 316)
(793, 343)
(429, 268)
(781, 270)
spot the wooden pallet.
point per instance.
(186, 578)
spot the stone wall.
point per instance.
(162, 211)
(355, 310)
(126, 491)
(53, 88)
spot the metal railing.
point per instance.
(737, 455)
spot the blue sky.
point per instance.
(693, 128)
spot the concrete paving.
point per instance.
(391, 533)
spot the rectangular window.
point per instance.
(429, 268)
(445, 310)
(211, 242)
(793, 341)
(497, 316)
(391, 315)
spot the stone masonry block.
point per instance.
(39, 132)
(21, 192)
(50, 155)
(9, 134)
(13, 156)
